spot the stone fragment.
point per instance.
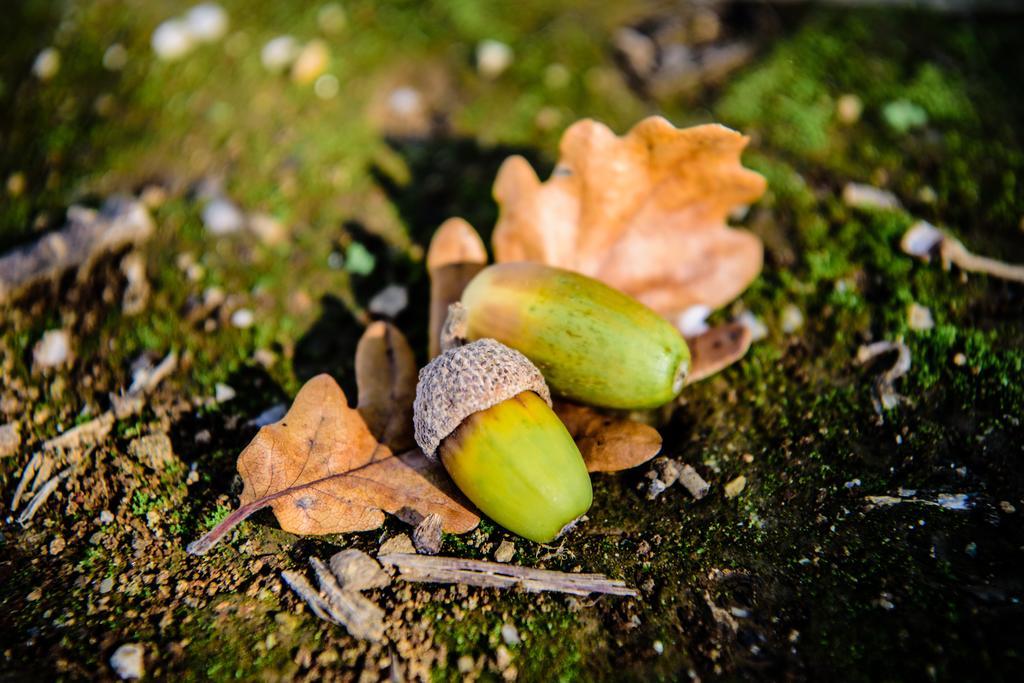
(154, 450)
(52, 350)
(357, 571)
(397, 544)
(505, 552)
(128, 661)
(10, 439)
(427, 535)
(735, 487)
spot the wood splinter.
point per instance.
(427, 569)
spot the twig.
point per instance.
(87, 235)
(57, 449)
(304, 589)
(887, 397)
(44, 493)
(360, 616)
(427, 569)
(923, 239)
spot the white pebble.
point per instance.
(106, 517)
(405, 101)
(758, 330)
(510, 634)
(693, 321)
(207, 22)
(390, 301)
(792, 318)
(115, 57)
(222, 217)
(223, 393)
(862, 196)
(172, 40)
(326, 86)
(919, 317)
(128, 661)
(492, 58)
(47, 64)
(921, 239)
(243, 318)
(52, 350)
(279, 53)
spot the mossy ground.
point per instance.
(815, 582)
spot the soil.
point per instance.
(864, 545)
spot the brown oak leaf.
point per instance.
(608, 444)
(716, 349)
(322, 470)
(645, 213)
(455, 255)
(386, 376)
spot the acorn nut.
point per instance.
(593, 344)
(485, 411)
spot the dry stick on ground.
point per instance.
(922, 239)
(427, 569)
(88, 235)
(35, 476)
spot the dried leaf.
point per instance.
(386, 377)
(645, 213)
(608, 444)
(322, 471)
(716, 349)
(455, 256)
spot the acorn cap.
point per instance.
(465, 380)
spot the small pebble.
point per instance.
(115, 57)
(792, 318)
(10, 439)
(311, 62)
(861, 196)
(106, 585)
(57, 545)
(106, 517)
(207, 22)
(243, 318)
(153, 450)
(426, 537)
(389, 302)
(279, 53)
(223, 393)
(849, 107)
(172, 40)
(492, 58)
(693, 321)
(959, 359)
(465, 664)
(659, 647)
(405, 101)
(128, 661)
(735, 487)
(222, 217)
(52, 350)
(397, 544)
(331, 18)
(502, 658)
(921, 239)
(505, 552)
(1007, 507)
(919, 317)
(758, 330)
(46, 64)
(510, 634)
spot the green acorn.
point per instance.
(485, 411)
(593, 344)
